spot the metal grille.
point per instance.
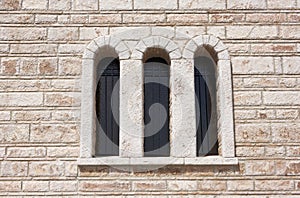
(156, 108)
(205, 91)
(107, 107)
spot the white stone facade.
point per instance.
(45, 51)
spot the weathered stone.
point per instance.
(10, 66)
(24, 152)
(289, 32)
(24, 85)
(253, 133)
(291, 65)
(281, 98)
(248, 98)
(10, 4)
(14, 169)
(47, 66)
(55, 168)
(252, 65)
(69, 66)
(4, 115)
(71, 48)
(131, 33)
(85, 5)
(274, 185)
(247, 151)
(285, 132)
(182, 185)
(144, 18)
(59, 4)
(187, 18)
(226, 18)
(33, 48)
(21, 99)
(14, 133)
(31, 115)
(66, 84)
(35, 4)
(63, 34)
(278, 4)
(267, 18)
(36, 186)
(260, 82)
(275, 151)
(251, 32)
(112, 5)
(101, 186)
(287, 114)
(10, 186)
(65, 152)
(71, 169)
(62, 99)
(149, 185)
(89, 33)
(54, 133)
(261, 167)
(215, 185)
(217, 31)
(185, 32)
(240, 185)
(63, 186)
(16, 18)
(250, 4)
(45, 19)
(155, 4)
(202, 4)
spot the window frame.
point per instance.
(131, 150)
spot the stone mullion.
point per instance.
(182, 109)
(131, 108)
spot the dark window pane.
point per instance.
(156, 108)
(107, 107)
(206, 115)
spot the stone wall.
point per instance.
(41, 48)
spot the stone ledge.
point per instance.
(124, 161)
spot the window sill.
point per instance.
(146, 161)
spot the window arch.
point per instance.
(218, 54)
(102, 56)
(156, 103)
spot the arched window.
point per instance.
(206, 113)
(107, 107)
(156, 107)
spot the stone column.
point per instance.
(131, 108)
(182, 109)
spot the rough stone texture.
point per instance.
(41, 50)
(59, 4)
(85, 5)
(30, 34)
(250, 4)
(155, 4)
(112, 5)
(252, 65)
(10, 4)
(14, 169)
(36, 186)
(202, 4)
(54, 133)
(35, 4)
